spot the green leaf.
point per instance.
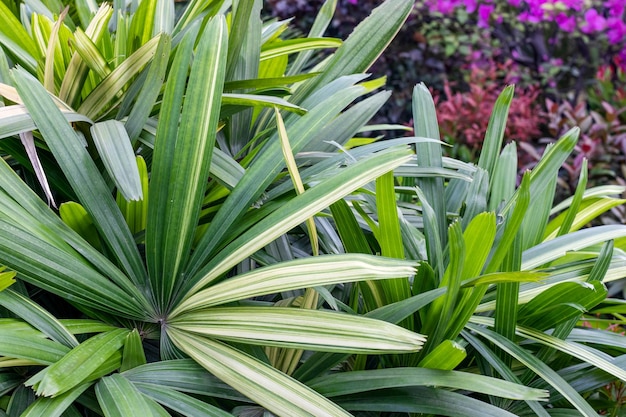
(572, 213)
(136, 212)
(299, 328)
(495, 131)
(16, 119)
(296, 211)
(36, 316)
(76, 217)
(543, 185)
(538, 367)
(265, 168)
(292, 46)
(133, 354)
(323, 19)
(182, 375)
(252, 100)
(587, 211)
(54, 407)
(421, 400)
(63, 272)
(100, 97)
(77, 70)
(118, 397)
(446, 356)
(261, 383)
(286, 276)
(6, 280)
(512, 225)
(429, 154)
(359, 381)
(553, 249)
(32, 347)
(504, 177)
(82, 174)
(242, 14)
(181, 159)
(294, 173)
(363, 46)
(15, 38)
(76, 366)
(151, 88)
(118, 156)
(179, 402)
(560, 303)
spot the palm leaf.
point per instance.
(263, 384)
(82, 174)
(299, 328)
(181, 163)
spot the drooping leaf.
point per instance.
(80, 362)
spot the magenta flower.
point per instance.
(573, 4)
(445, 6)
(566, 23)
(594, 22)
(470, 5)
(617, 30)
(484, 12)
(615, 8)
(515, 3)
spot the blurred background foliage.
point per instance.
(566, 57)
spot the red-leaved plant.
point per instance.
(464, 115)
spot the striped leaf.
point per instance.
(271, 389)
(299, 328)
(182, 156)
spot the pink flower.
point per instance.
(615, 7)
(470, 5)
(515, 3)
(594, 22)
(566, 23)
(445, 6)
(573, 4)
(529, 17)
(617, 30)
(484, 12)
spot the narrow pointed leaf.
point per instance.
(54, 407)
(118, 397)
(184, 404)
(113, 144)
(363, 46)
(81, 173)
(495, 131)
(297, 210)
(178, 204)
(538, 367)
(80, 362)
(421, 400)
(300, 328)
(271, 389)
(358, 381)
(39, 318)
(100, 98)
(286, 276)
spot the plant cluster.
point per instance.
(560, 42)
(463, 116)
(191, 225)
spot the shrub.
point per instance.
(463, 116)
(193, 266)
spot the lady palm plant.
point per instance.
(503, 286)
(152, 290)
